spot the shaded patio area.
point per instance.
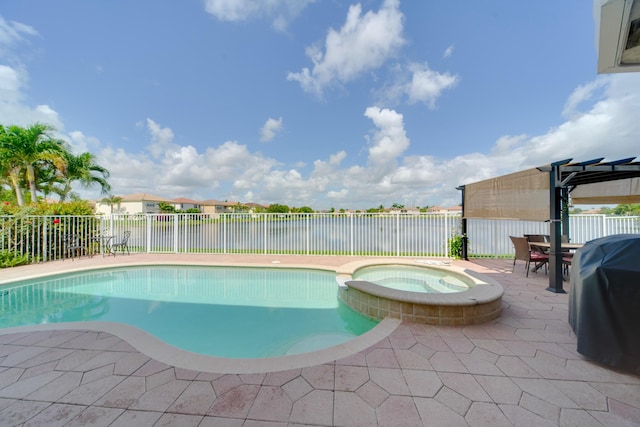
(520, 369)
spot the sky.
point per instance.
(320, 103)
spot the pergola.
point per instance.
(542, 194)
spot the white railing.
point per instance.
(491, 237)
(43, 238)
(304, 234)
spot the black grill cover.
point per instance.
(604, 300)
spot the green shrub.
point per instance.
(455, 246)
(77, 207)
(12, 259)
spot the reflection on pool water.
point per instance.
(414, 279)
(221, 311)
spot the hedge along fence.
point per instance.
(45, 238)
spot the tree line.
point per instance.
(625, 209)
(34, 162)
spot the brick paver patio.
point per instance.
(521, 369)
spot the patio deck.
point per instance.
(521, 369)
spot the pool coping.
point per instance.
(163, 352)
(170, 355)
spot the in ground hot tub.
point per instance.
(436, 295)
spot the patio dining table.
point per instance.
(566, 247)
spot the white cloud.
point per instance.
(389, 141)
(507, 143)
(609, 127)
(336, 159)
(324, 171)
(130, 173)
(448, 51)
(427, 85)
(420, 84)
(12, 33)
(80, 143)
(281, 12)
(174, 170)
(364, 43)
(14, 78)
(598, 119)
(9, 82)
(583, 94)
(338, 196)
(233, 10)
(270, 128)
(13, 110)
(161, 139)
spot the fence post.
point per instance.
(45, 241)
(265, 236)
(224, 233)
(176, 220)
(308, 233)
(351, 234)
(397, 233)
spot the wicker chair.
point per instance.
(524, 253)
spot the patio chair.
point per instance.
(72, 246)
(524, 253)
(567, 260)
(536, 238)
(122, 244)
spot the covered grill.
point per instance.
(604, 301)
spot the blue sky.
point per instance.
(324, 103)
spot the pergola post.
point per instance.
(555, 231)
(564, 196)
(465, 253)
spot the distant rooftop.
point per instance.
(137, 197)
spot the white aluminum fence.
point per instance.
(42, 238)
(491, 237)
(303, 234)
(45, 238)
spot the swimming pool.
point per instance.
(235, 312)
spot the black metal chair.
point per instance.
(72, 246)
(122, 245)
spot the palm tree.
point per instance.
(83, 168)
(8, 168)
(47, 178)
(112, 200)
(24, 150)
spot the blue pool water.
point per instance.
(220, 311)
(414, 279)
